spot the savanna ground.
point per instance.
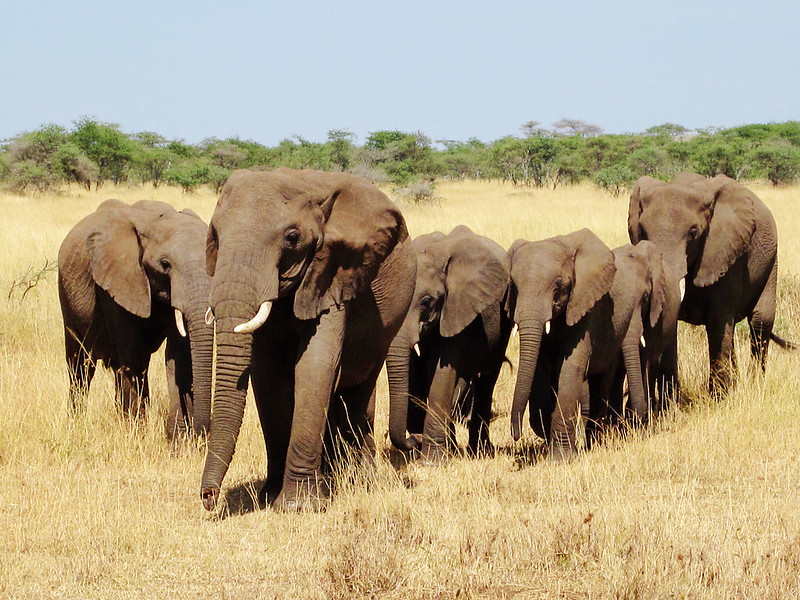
(703, 505)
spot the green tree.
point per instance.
(106, 146)
(778, 163)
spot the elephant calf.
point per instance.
(458, 328)
(130, 277)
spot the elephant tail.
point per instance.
(785, 344)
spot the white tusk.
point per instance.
(547, 328)
(416, 349)
(257, 321)
(210, 316)
(641, 340)
(682, 287)
(514, 331)
(179, 322)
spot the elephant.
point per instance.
(129, 277)
(643, 275)
(312, 276)
(579, 306)
(721, 243)
(458, 328)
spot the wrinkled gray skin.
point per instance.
(569, 281)
(123, 271)
(458, 319)
(328, 252)
(643, 281)
(721, 238)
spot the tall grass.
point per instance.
(704, 505)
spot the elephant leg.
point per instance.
(316, 374)
(350, 422)
(178, 364)
(418, 386)
(439, 417)
(483, 389)
(273, 391)
(762, 319)
(594, 404)
(573, 387)
(665, 376)
(80, 367)
(542, 399)
(721, 354)
(132, 390)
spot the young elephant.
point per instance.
(458, 329)
(128, 278)
(721, 240)
(312, 276)
(643, 282)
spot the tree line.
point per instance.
(93, 153)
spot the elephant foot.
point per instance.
(309, 495)
(433, 454)
(561, 454)
(484, 448)
(269, 492)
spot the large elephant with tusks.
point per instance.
(312, 277)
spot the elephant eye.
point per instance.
(693, 231)
(426, 302)
(165, 264)
(292, 237)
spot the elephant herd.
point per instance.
(306, 282)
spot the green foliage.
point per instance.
(778, 163)
(106, 146)
(617, 179)
(93, 152)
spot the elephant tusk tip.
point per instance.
(514, 330)
(181, 326)
(209, 318)
(547, 328)
(416, 350)
(682, 287)
(641, 340)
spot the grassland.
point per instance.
(704, 505)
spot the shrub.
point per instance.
(418, 192)
(615, 180)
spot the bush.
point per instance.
(418, 192)
(616, 180)
(779, 164)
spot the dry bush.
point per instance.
(701, 505)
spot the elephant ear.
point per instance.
(658, 282)
(729, 231)
(116, 265)
(474, 278)
(362, 228)
(594, 273)
(635, 206)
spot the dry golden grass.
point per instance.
(703, 506)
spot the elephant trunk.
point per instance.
(397, 369)
(633, 368)
(234, 351)
(530, 341)
(201, 345)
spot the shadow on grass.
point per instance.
(242, 499)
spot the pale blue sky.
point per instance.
(453, 70)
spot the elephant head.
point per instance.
(314, 240)
(458, 276)
(558, 278)
(702, 226)
(147, 254)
